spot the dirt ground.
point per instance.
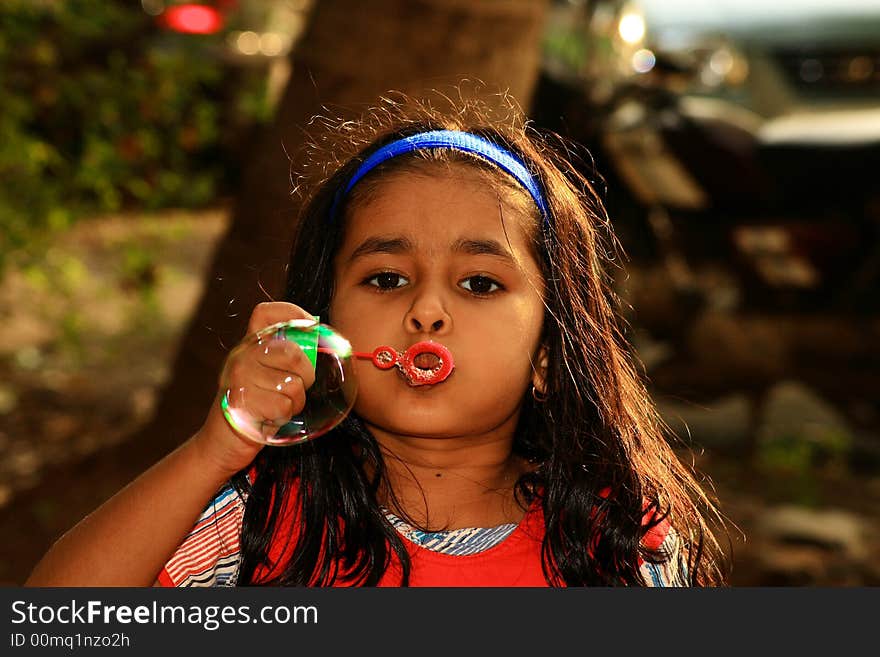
(88, 332)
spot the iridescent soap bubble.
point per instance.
(328, 401)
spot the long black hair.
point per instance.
(602, 456)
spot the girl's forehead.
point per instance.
(431, 208)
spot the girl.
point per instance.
(539, 461)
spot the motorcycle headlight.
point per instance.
(723, 65)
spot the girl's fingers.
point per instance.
(266, 381)
(268, 405)
(270, 380)
(288, 384)
(285, 357)
(280, 376)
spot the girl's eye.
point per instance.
(480, 285)
(387, 280)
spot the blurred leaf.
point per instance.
(103, 111)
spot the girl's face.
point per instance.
(430, 258)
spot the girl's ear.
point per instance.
(539, 371)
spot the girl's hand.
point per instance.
(275, 382)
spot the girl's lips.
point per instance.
(416, 385)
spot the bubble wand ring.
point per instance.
(385, 358)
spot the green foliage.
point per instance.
(103, 110)
(791, 461)
(815, 446)
(568, 48)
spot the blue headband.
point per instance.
(462, 141)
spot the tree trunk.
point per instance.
(350, 54)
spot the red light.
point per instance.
(193, 19)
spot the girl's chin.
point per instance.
(428, 419)
(415, 417)
(416, 412)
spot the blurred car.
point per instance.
(742, 132)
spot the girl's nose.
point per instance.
(427, 315)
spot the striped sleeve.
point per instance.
(672, 570)
(210, 554)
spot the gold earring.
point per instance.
(538, 396)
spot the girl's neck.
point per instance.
(451, 483)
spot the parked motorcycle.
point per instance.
(747, 155)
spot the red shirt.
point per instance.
(516, 561)
(210, 554)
